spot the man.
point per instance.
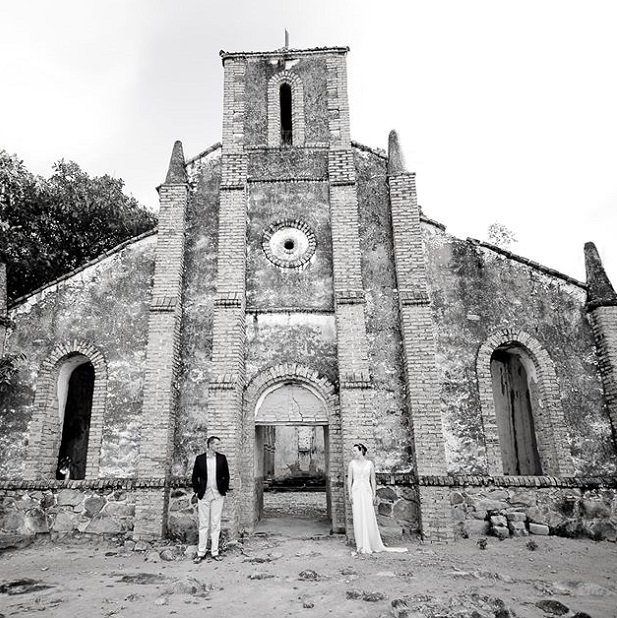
(210, 483)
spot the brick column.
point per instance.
(4, 320)
(602, 313)
(160, 389)
(226, 387)
(355, 387)
(418, 345)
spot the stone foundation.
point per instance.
(76, 506)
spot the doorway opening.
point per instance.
(292, 488)
(75, 389)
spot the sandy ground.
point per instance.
(282, 572)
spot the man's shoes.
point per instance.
(217, 558)
(197, 559)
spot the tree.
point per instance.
(501, 236)
(50, 226)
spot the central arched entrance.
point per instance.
(291, 454)
(291, 464)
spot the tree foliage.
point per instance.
(51, 226)
(501, 236)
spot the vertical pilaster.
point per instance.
(418, 345)
(160, 390)
(3, 308)
(355, 388)
(602, 313)
(226, 388)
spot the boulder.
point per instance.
(69, 497)
(35, 521)
(540, 529)
(65, 521)
(594, 509)
(501, 532)
(103, 523)
(93, 505)
(387, 493)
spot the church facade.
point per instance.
(293, 281)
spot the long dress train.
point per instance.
(368, 539)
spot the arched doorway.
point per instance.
(516, 393)
(291, 421)
(291, 453)
(75, 389)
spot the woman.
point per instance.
(363, 496)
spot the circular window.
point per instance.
(289, 244)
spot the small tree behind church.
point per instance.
(50, 226)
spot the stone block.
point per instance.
(69, 497)
(517, 528)
(405, 510)
(475, 527)
(594, 509)
(35, 522)
(93, 505)
(387, 493)
(541, 529)
(65, 521)
(456, 498)
(516, 516)
(12, 521)
(103, 523)
(385, 508)
(498, 520)
(501, 532)
(604, 530)
(119, 509)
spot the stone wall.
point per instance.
(567, 507)
(104, 304)
(477, 291)
(65, 508)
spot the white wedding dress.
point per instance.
(368, 539)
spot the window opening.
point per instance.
(286, 124)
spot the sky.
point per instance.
(506, 111)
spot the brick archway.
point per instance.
(549, 417)
(265, 382)
(46, 425)
(274, 112)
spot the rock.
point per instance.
(538, 529)
(405, 510)
(348, 571)
(550, 606)
(593, 509)
(500, 532)
(65, 521)
(308, 605)
(387, 494)
(456, 498)
(103, 523)
(498, 520)
(23, 586)
(153, 556)
(475, 527)
(190, 551)
(517, 528)
(35, 521)
(353, 594)
(69, 497)
(143, 578)
(162, 601)
(188, 585)
(399, 608)
(373, 597)
(385, 508)
(129, 545)
(309, 575)
(603, 530)
(385, 574)
(14, 541)
(168, 555)
(141, 546)
(516, 516)
(581, 615)
(13, 521)
(93, 505)
(119, 509)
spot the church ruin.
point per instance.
(294, 285)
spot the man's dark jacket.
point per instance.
(200, 475)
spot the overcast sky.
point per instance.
(507, 111)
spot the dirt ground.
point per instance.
(279, 573)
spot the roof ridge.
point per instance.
(204, 153)
(78, 269)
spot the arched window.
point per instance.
(515, 393)
(75, 390)
(286, 111)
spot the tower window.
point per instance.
(286, 126)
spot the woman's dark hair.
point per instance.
(362, 448)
